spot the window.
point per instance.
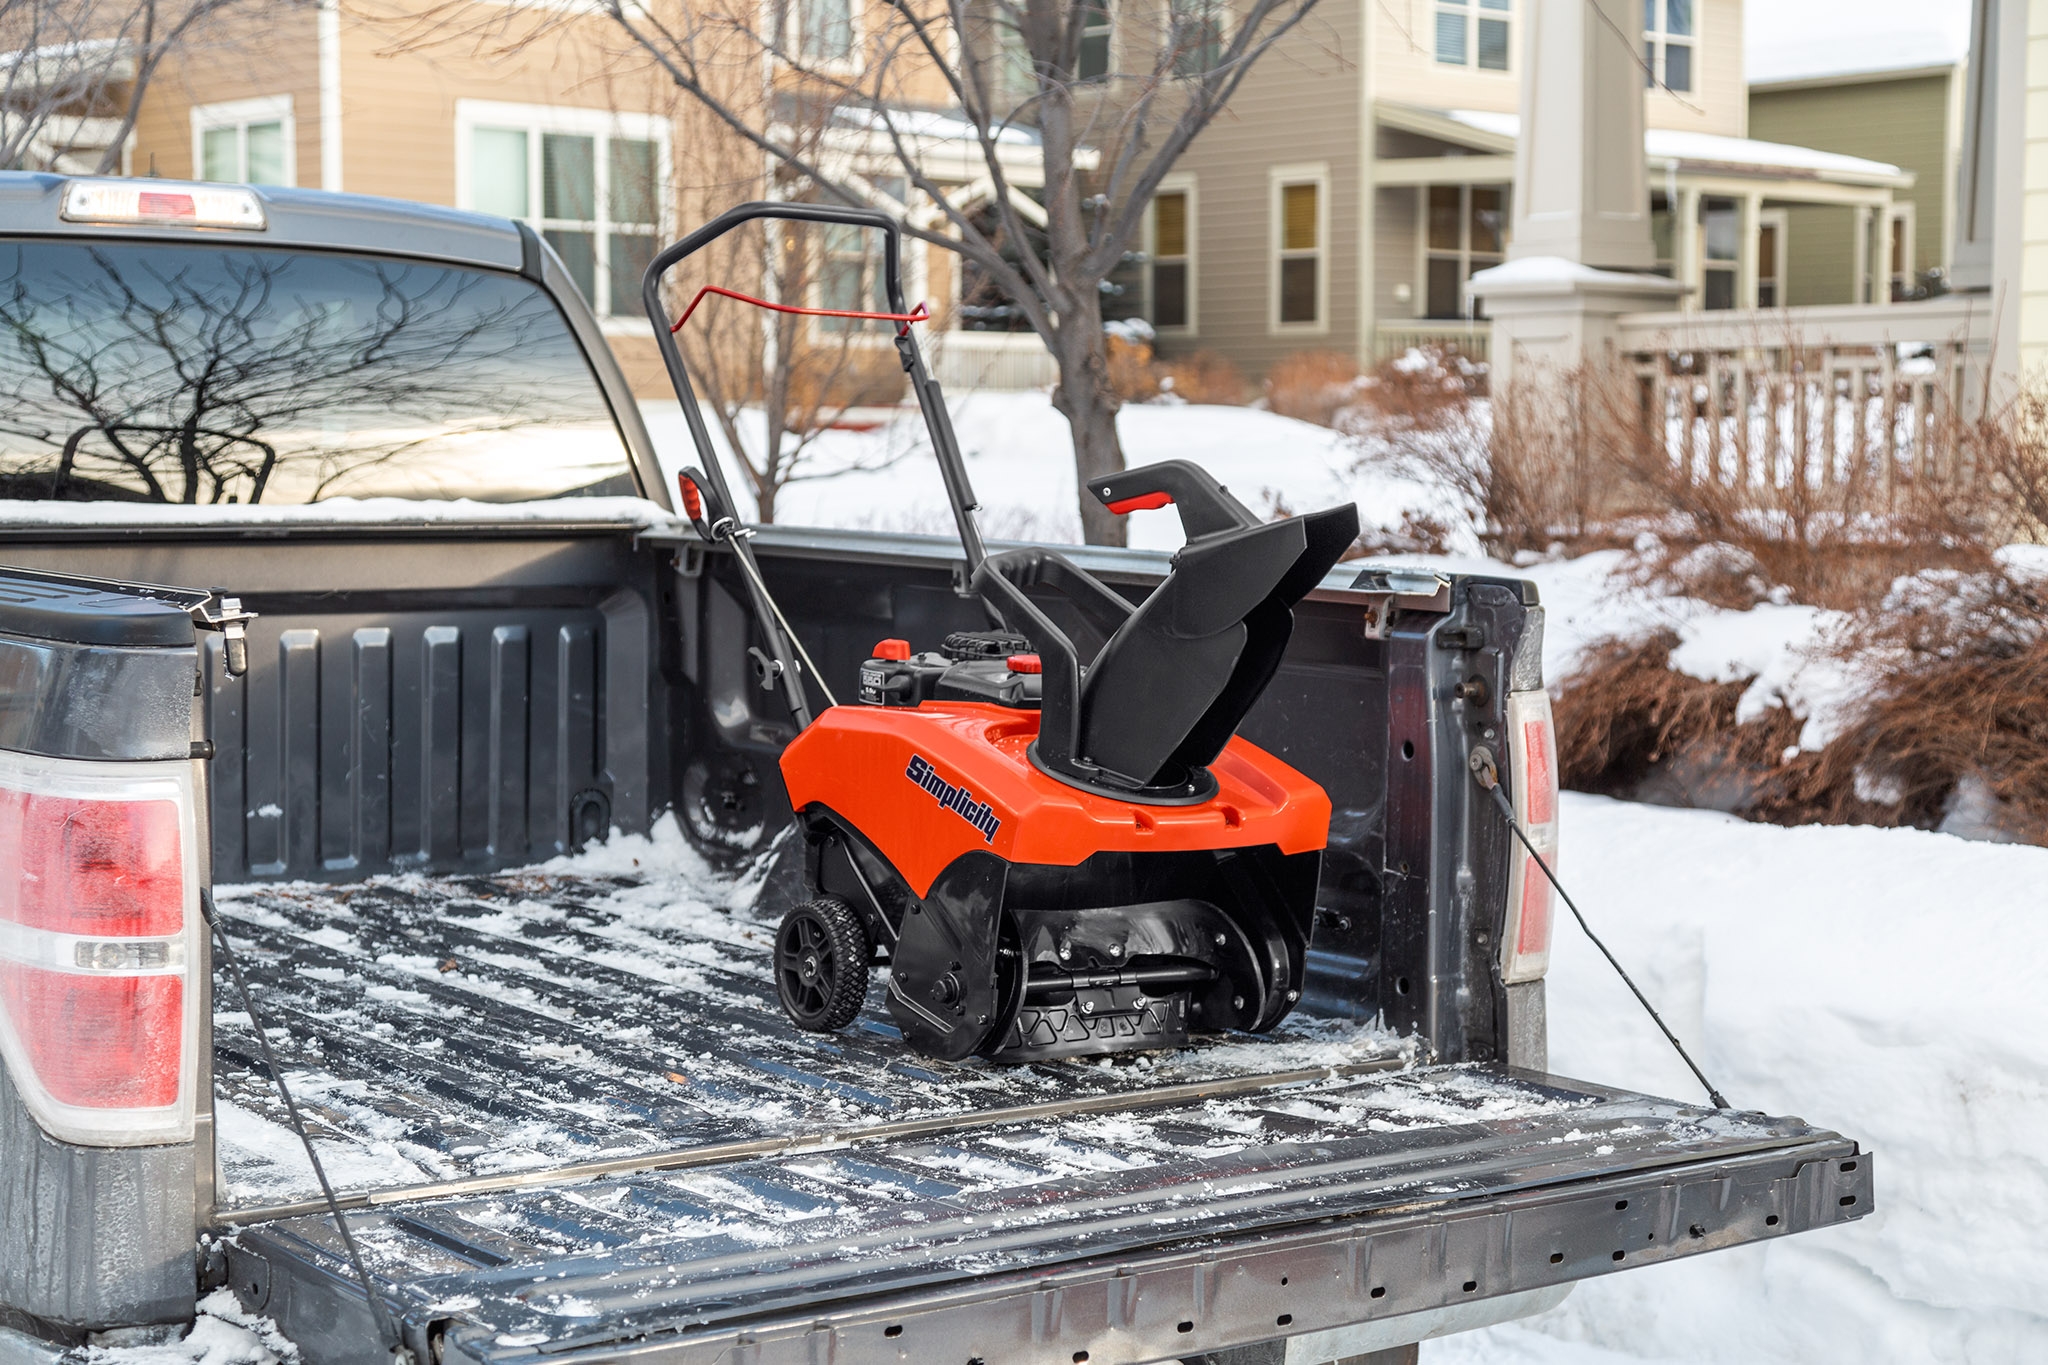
(1466, 231)
(1904, 278)
(333, 375)
(1670, 41)
(825, 30)
(1096, 28)
(1171, 263)
(1770, 258)
(1301, 228)
(591, 181)
(1662, 236)
(1473, 33)
(1196, 35)
(1721, 246)
(245, 140)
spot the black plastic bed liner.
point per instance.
(600, 1140)
(453, 1031)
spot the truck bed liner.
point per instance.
(570, 1121)
(594, 1013)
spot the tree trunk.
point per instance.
(1088, 402)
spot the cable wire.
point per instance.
(1487, 779)
(386, 1326)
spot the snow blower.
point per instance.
(1055, 852)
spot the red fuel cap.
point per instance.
(892, 649)
(1025, 663)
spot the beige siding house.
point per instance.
(1378, 143)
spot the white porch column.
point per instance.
(1881, 251)
(1581, 204)
(1580, 188)
(1746, 260)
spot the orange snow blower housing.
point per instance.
(1056, 851)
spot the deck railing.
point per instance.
(1827, 395)
(1392, 339)
(990, 360)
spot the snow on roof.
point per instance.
(927, 123)
(1822, 39)
(1671, 144)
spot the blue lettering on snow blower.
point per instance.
(959, 800)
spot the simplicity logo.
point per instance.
(959, 800)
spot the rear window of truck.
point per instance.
(200, 374)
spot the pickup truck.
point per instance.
(486, 796)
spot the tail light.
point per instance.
(99, 1015)
(1532, 756)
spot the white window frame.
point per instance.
(850, 64)
(536, 120)
(1182, 183)
(238, 115)
(1472, 11)
(1463, 252)
(1114, 23)
(1278, 178)
(1225, 26)
(1780, 222)
(1661, 38)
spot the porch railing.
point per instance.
(1473, 340)
(991, 360)
(1827, 395)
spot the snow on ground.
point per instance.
(1019, 454)
(222, 1334)
(1881, 982)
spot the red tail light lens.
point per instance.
(99, 1042)
(98, 1024)
(1532, 771)
(93, 867)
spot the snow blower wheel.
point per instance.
(1051, 825)
(821, 965)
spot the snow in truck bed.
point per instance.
(597, 1007)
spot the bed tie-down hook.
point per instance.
(1486, 772)
(223, 613)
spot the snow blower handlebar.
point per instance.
(709, 486)
(929, 401)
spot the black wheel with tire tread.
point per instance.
(822, 955)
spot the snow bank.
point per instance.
(1020, 458)
(222, 1334)
(1875, 981)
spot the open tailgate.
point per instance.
(1146, 1232)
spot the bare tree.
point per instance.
(775, 382)
(1105, 121)
(1007, 66)
(73, 73)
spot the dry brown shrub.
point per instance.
(1630, 725)
(1313, 386)
(1423, 388)
(1131, 370)
(1959, 668)
(1204, 377)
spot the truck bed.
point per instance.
(568, 1118)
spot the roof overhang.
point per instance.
(1876, 76)
(1714, 156)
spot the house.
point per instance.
(539, 113)
(1894, 96)
(1362, 175)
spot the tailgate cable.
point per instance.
(386, 1327)
(1488, 776)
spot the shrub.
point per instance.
(1204, 377)
(1314, 386)
(1131, 371)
